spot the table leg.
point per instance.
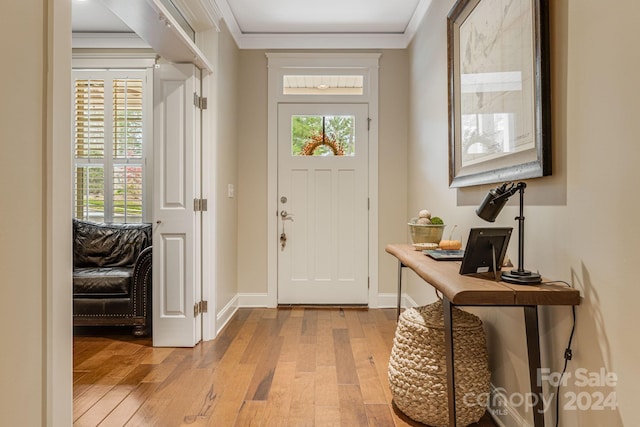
(448, 346)
(399, 301)
(533, 350)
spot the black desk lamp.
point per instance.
(489, 210)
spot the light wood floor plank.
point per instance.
(371, 384)
(252, 414)
(326, 384)
(122, 413)
(352, 412)
(263, 377)
(379, 415)
(353, 323)
(306, 361)
(302, 411)
(281, 394)
(345, 364)
(328, 416)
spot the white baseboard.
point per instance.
(391, 301)
(408, 301)
(387, 300)
(262, 300)
(253, 300)
(223, 317)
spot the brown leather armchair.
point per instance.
(112, 275)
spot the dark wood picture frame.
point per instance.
(498, 75)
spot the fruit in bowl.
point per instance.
(425, 228)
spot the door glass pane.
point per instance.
(323, 135)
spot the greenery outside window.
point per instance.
(330, 135)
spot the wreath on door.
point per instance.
(322, 140)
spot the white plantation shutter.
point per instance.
(109, 145)
(127, 150)
(89, 118)
(127, 193)
(89, 192)
(127, 118)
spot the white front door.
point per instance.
(176, 235)
(323, 203)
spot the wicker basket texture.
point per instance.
(417, 367)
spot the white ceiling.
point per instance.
(290, 24)
(91, 16)
(265, 24)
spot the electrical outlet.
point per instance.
(231, 191)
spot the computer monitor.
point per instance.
(485, 251)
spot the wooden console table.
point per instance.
(459, 290)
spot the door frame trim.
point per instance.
(280, 64)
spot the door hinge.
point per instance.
(200, 307)
(368, 282)
(200, 101)
(200, 205)
(368, 203)
(368, 123)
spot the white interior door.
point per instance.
(323, 204)
(176, 237)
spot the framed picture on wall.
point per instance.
(499, 91)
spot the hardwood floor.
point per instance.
(268, 367)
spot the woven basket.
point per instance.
(417, 367)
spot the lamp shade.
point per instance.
(492, 204)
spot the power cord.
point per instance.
(568, 354)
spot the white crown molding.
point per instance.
(201, 15)
(416, 19)
(229, 19)
(322, 40)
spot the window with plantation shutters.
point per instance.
(109, 145)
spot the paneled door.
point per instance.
(323, 203)
(176, 236)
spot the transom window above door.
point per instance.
(330, 135)
(322, 84)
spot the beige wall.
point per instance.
(35, 288)
(225, 152)
(21, 221)
(252, 172)
(580, 225)
(252, 166)
(392, 164)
